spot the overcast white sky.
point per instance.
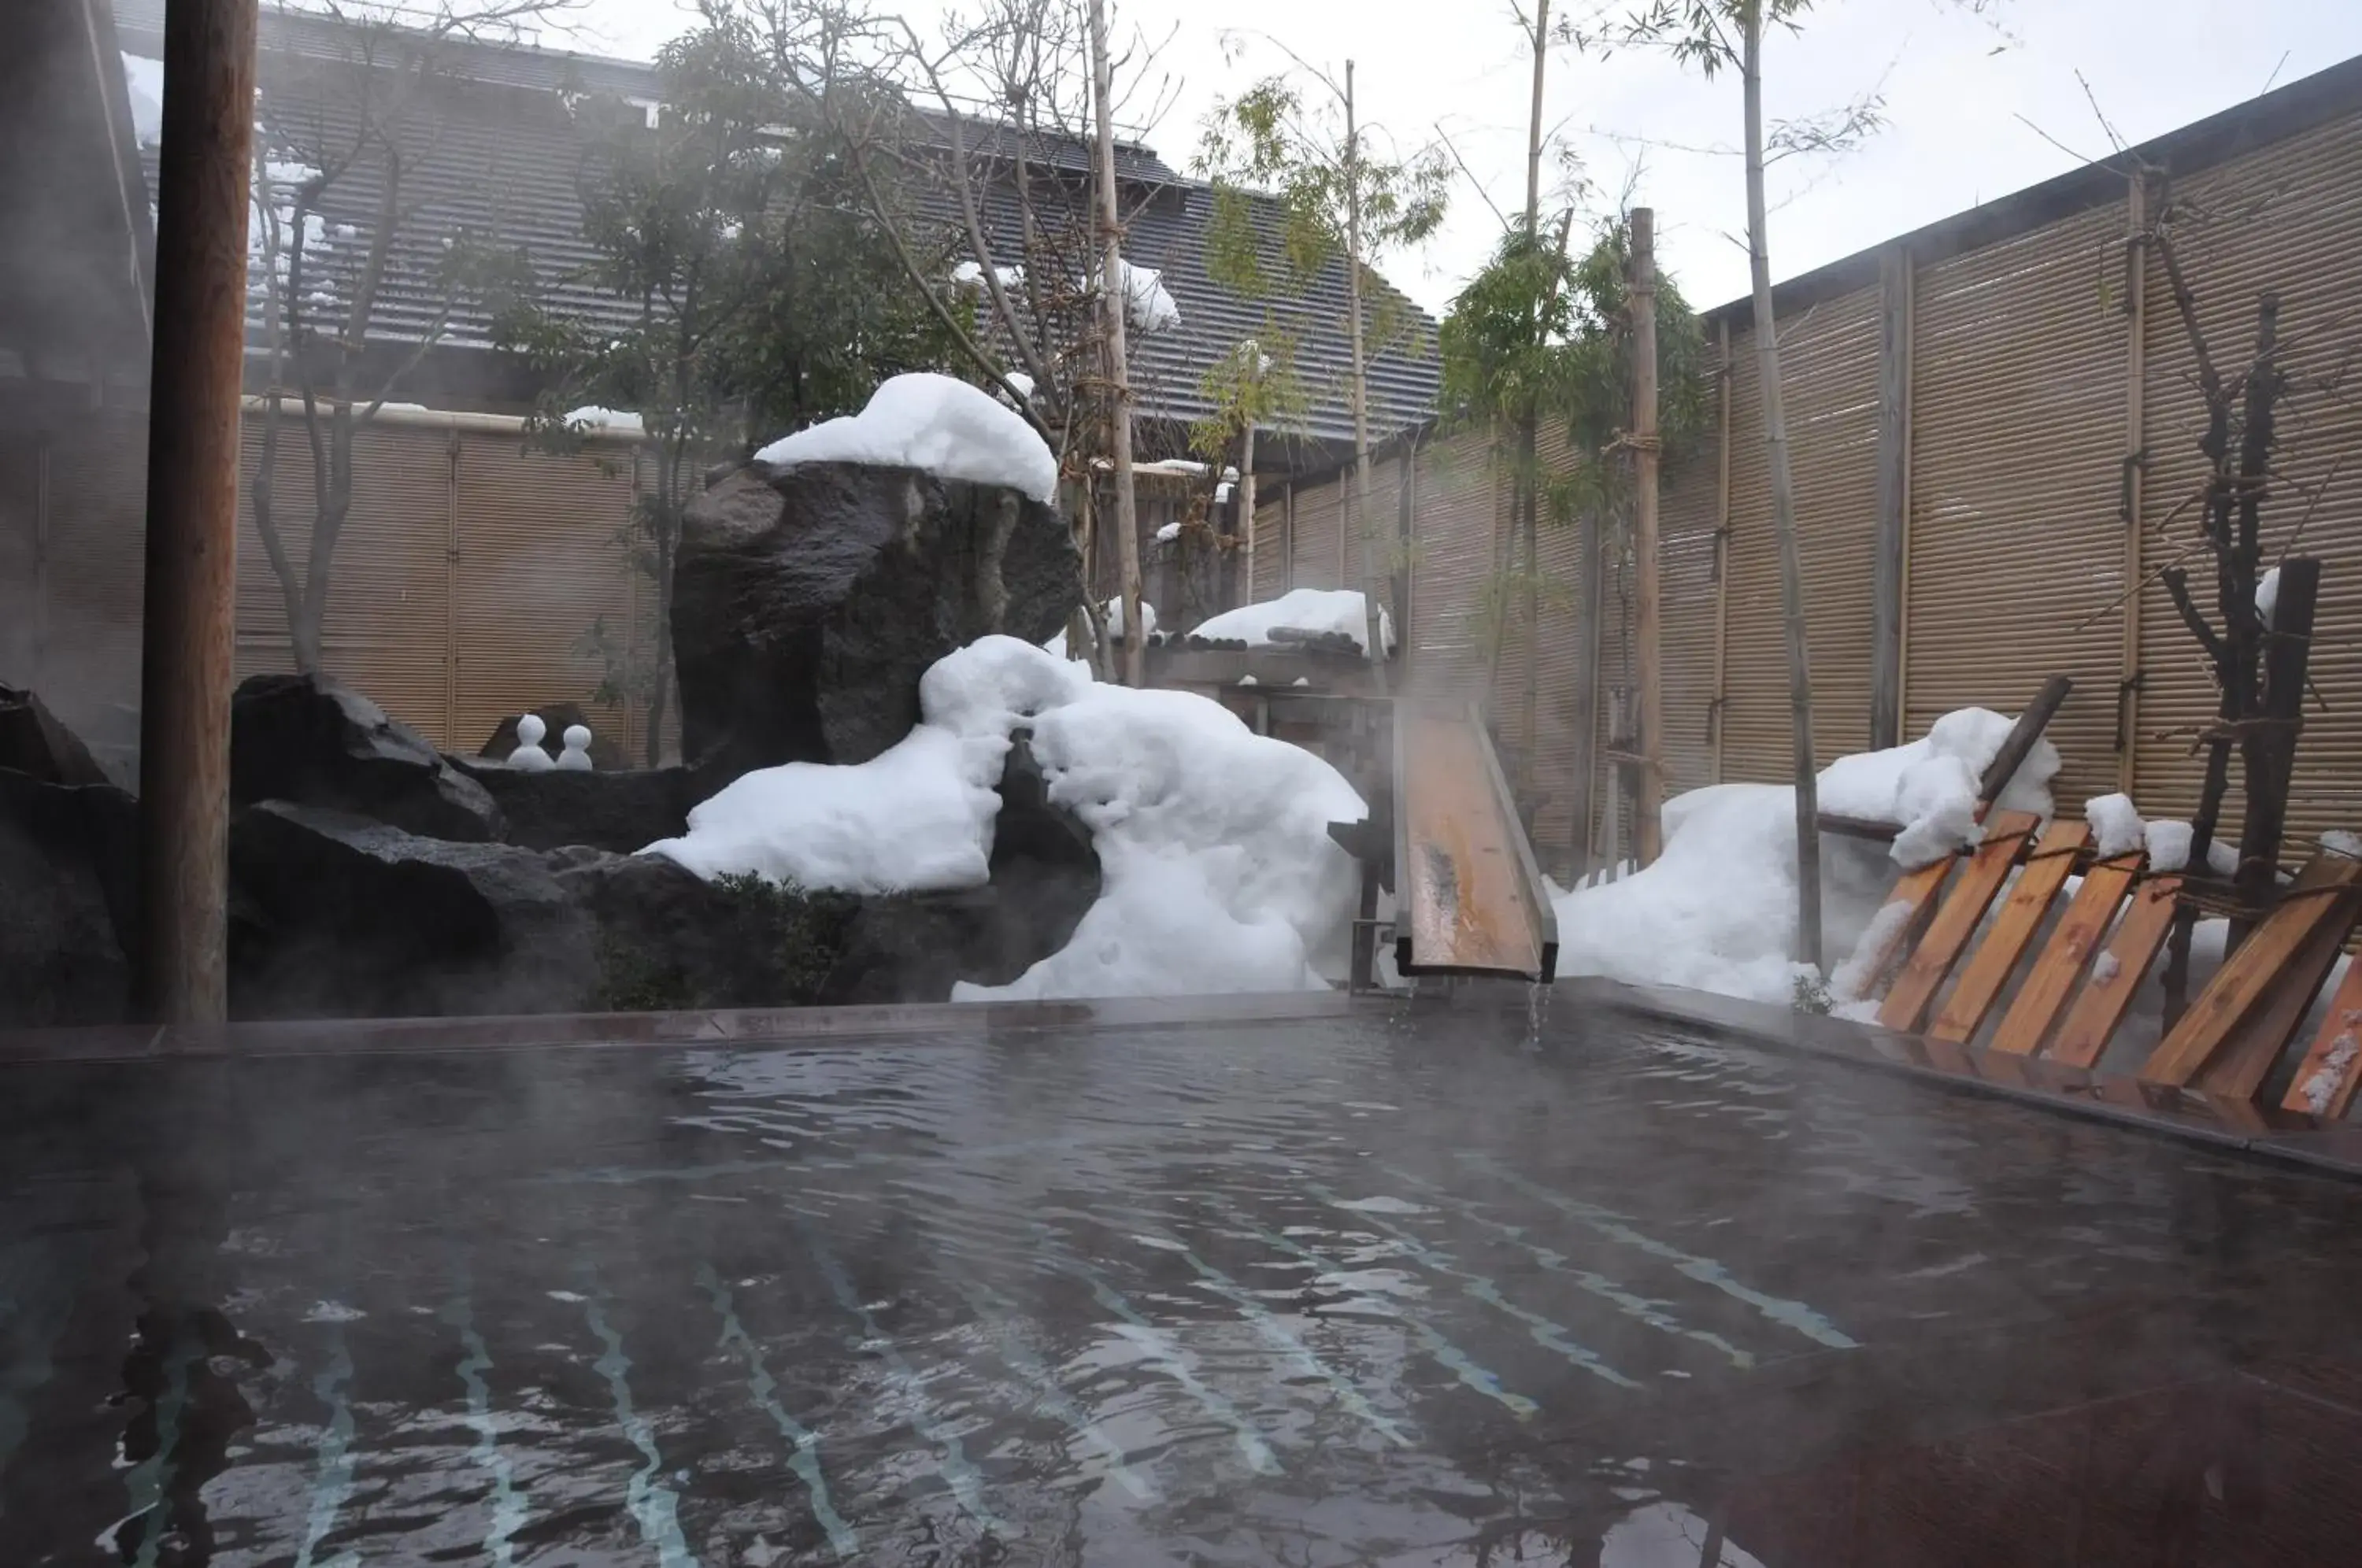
(1955, 87)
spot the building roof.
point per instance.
(76, 246)
(507, 154)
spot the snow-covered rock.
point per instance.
(1219, 873)
(932, 422)
(1330, 609)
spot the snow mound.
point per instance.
(1147, 305)
(2117, 826)
(1303, 609)
(1929, 787)
(1217, 870)
(1717, 911)
(935, 423)
(1112, 613)
(2169, 845)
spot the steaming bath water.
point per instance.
(1370, 1290)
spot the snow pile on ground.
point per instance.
(1217, 870)
(1717, 911)
(1930, 786)
(1111, 613)
(2169, 845)
(935, 423)
(616, 421)
(143, 84)
(1147, 305)
(2116, 826)
(1305, 610)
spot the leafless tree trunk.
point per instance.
(1648, 826)
(1784, 500)
(1114, 297)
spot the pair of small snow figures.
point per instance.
(529, 758)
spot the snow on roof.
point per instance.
(143, 82)
(935, 423)
(620, 422)
(1303, 610)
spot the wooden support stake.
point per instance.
(2259, 967)
(2332, 1069)
(1114, 298)
(2006, 836)
(2067, 958)
(1893, 505)
(2092, 1022)
(188, 644)
(2021, 738)
(1648, 652)
(2270, 757)
(1996, 959)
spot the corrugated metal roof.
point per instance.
(499, 155)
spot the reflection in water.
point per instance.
(1324, 1295)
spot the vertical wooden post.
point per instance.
(1649, 653)
(1718, 714)
(2271, 757)
(1246, 595)
(2136, 463)
(1591, 608)
(1115, 300)
(1893, 498)
(188, 644)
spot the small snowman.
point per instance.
(528, 756)
(576, 757)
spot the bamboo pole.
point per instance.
(1372, 616)
(2136, 463)
(1784, 504)
(1114, 300)
(1717, 719)
(1649, 829)
(1247, 511)
(188, 644)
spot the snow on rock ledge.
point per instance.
(935, 423)
(1218, 871)
(1303, 609)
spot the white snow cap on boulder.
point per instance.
(1304, 608)
(935, 423)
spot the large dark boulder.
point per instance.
(807, 603)
(342, 916)
(66, 902)
(33, 743)
(1045, 876)
(623, 811)
(311, 742)
(668, 940)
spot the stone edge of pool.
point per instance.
(2225, 1125)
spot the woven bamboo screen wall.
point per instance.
(467, 578)
(2020, 389)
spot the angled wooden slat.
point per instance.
(2117, 974)
(2332, 1069)
(2006, 836)
(1916, 891)
(2240, 1069)
(1996, 959)
(2066, 957)
(2256, 969)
